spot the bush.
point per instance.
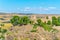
(0, 30)
(49, 22)
(16, 20)
(31, 22)
(46, 27)
(34, 39)
(33, 30)
(46, 17)
(2, 19)
(59, 19)
(35, 26)
(2, 24)
(2, 37)
(26, 20)
(55, 21)
(39, 22)
(3, 30)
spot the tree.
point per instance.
(15, 20)
(54, 20)
(39, 22)
(25, 20)
(59, 19)
(46, 17)
(49, 22)
(20, 21)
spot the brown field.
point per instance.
(23, 32)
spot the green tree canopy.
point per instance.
(54, 20)
(46, 17)
(15, 20)
(39, 21)
(59, 19)
(49, 22)
(26, 20)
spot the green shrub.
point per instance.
(2, 19)
(49, 22)
(33, 30)
(26, 20)
(46, 27)
(46, 17)
(0, 30)
(2, 24)
(35, 26)
(34, 39)
(16, 20)
(59, 19)
(31, 22)
(2, 37)
(54, 20)
(3, 30)
(39, 21)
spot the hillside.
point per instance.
(29, 27)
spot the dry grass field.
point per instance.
(23, 32)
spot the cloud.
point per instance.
(46, 9)
(40, 9)
(43, 9)
(51, 7)
(18, 8)
(27, 9)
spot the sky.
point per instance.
(30, 6)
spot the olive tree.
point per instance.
(54, 20)
(49, 22)
(25, 20)
(15, 20)
(59, 19)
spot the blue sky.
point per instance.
(30, 6)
